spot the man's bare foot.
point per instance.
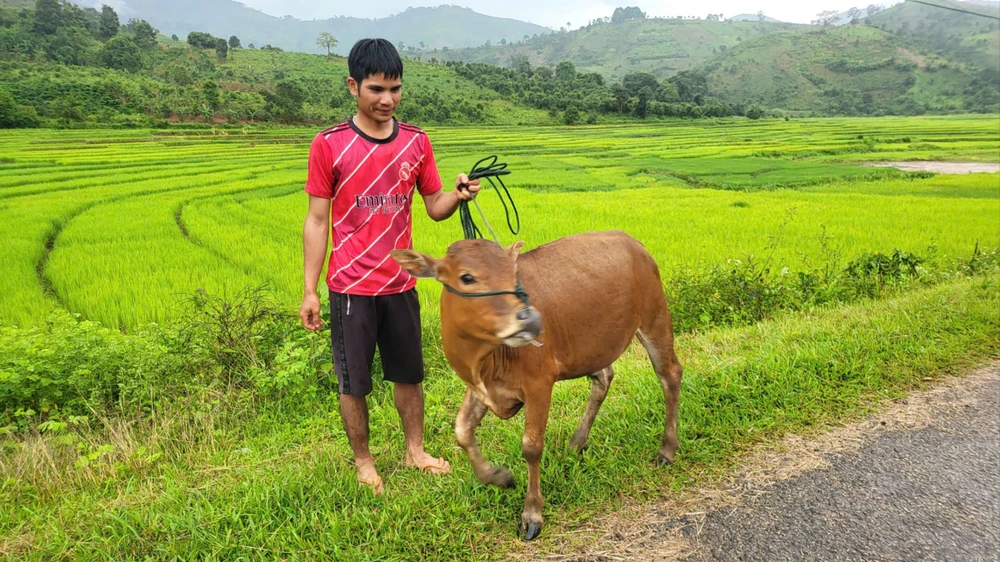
(423, 461)
(367, 475)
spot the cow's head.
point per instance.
(482, 300)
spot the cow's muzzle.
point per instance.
(529, 327)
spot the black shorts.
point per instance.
(359, 323)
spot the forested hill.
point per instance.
(959, 36)
(443, 26)
(849, 70)
(661, 47)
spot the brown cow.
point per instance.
(589, 294)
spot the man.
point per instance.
(362, 177)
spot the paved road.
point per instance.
(927, 494)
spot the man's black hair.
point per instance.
(374, 56)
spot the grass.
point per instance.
(199, 481)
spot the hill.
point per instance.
(444, 26)
(661, 47)
(963, 37)
(753, 17)
(846, 70)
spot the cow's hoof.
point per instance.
(578, 443)
(530, 529)
(500, 476)
(663, 460)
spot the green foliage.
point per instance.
(109, 24)
(636, 81)
(143, 34)
(627, 14)
(754, 112)
(121, 53)
(234, 42)
(13, 116)
(72, 365)
(48, 16)
(571, 116)
(202, 40)
(221, 49)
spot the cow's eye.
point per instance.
(467, 279)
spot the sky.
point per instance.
(556, 13)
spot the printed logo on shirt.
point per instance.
(381, 203)
(404, 172)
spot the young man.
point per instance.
(362, 178)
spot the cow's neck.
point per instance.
(475, 360)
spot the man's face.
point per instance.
(377, 96)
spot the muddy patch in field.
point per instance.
(941, 167)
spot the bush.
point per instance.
(72, 365)
(121, 53)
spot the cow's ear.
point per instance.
(415, 263)
(514, 249)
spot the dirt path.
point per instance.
(919, 481)
(941, 167)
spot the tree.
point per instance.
(108, 24)
(210, 91)
(873, 9)
(121, 53)
(760, 15)
(636, 81)
(201, 40)
(145, 34)
(565, 71)
(754, 112)
(175, 37)
(543, 72)
(572, 115)
(627, 14)
(234, 42)
(621, 98)
(826, 18)
(328, 41)
(48, 16)
(10, 113)
(642, 106)
(853, 14)
(221, 49)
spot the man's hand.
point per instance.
(465, 189)
(309, 313)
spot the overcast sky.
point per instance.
(555, 13)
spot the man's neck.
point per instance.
(372, 128)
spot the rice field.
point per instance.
(116, 226)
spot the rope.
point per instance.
(980, 14)
(492, 170)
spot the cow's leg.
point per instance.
(600, 382)
(469, 416)
(657, 338)
(536, 415)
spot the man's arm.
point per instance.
(441, 205)
(314, 243)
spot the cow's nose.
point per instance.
(531, 320)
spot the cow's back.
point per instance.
(591, 290)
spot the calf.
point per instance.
(585, 297)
